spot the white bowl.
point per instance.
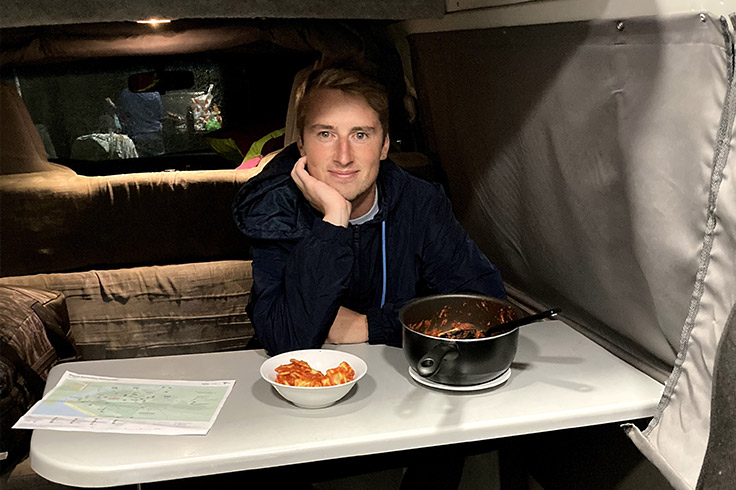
(322, 360)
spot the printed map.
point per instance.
(147, 402)
(80, 402)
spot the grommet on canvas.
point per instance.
(703, 17)
(620, 25)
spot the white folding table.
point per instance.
(560, 379)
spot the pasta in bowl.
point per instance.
(313, 378)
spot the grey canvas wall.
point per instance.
(592, 163)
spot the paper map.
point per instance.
(142, 406)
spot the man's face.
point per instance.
(344, 144)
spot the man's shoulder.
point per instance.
(267, 206)
(279, 166)
(407, 189)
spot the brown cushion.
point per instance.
(160, 310)
(34, 324)
(59, 221)
(34, 336)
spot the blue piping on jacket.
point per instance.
(383, 250)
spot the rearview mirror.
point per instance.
(161, 81)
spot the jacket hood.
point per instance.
(271, 206)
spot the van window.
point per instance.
(89, 120)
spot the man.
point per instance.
(342, 237)
(141, 115)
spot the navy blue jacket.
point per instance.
(304, 268)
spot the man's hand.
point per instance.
(335, 208)
(349, 327)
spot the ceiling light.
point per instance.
(153, 22)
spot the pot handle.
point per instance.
(430, 363)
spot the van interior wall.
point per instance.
(579, 157)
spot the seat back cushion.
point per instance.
(34, 336)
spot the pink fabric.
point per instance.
(253, 162)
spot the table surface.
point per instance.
(559, 379)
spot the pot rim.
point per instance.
(498, 336)
(454, 295)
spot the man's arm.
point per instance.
(296, 286)
(349, 327)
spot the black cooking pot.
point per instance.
(458, 361)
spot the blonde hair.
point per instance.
(348, 80)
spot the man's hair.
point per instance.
(350, 81)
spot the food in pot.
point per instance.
(438, 326)
(300, 373)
